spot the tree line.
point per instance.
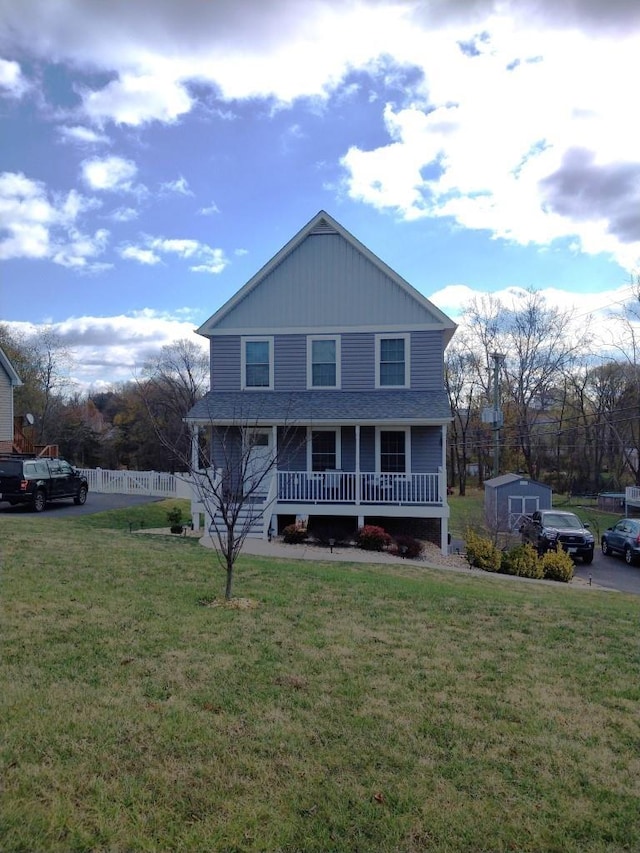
(569, 404)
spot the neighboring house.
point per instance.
(336, 364)
(9, 379)
(510, 497)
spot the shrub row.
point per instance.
(369, 538)
(522, 560)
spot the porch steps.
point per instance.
(250, 518)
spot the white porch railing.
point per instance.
(152, 483)
(365, 488)
(632, 495)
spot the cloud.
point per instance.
(180, 187)
(489, 140)
(210, 209)
(12, 81)
(584, 190)
(82, 135)
(110, 350)
(143, 256)
(109, 174)
(204, 258)
(38, 224)
(137, 99)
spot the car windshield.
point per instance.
(559, 519)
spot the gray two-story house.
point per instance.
(331, 366)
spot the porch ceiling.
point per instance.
(280, 407)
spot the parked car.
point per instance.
(623, 538)
(29, 480)
(551, 529)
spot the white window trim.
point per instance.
(243, 362)
(406, 336)
(407, 447)
(310, 340)
(338, 434)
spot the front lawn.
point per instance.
(342, 708)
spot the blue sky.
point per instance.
(154, 155)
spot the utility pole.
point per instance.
(498, 359)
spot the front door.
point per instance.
(259, 460)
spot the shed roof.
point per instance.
(503, 479)
(304, 407)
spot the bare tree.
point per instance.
(232, 471)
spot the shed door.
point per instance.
(519, 506)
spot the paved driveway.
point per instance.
(610, 573)
(95, 503)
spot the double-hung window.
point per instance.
(392, 361)
(257, 363)
(325, 450)
(323, 362)
(393, 451)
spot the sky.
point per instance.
(155, 154)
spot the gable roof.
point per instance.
(325, 279)
(9, 369)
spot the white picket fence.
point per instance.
(151, 483)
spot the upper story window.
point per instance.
(323, 362)
(392, 361)
(257, 362)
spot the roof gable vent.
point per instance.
(323, 227)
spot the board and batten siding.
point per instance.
(324, 283)
(6, 407)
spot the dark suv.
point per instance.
(548, 530)
(27, 480)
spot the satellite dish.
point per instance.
(29, 419)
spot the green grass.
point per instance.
(352, 708)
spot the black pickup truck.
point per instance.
(34, 481)
(551, 529)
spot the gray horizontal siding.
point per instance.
(225, 363)
(6, 407)
(290, 362)
(426, 449)
(357, 362)
(427, 360)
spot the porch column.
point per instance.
(195, 450)
(444, 522)
(357, 463)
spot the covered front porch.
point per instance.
(347, 470)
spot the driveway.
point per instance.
(95, 503)
(610, 573)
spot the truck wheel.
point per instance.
(39, 500)
(81, 497)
